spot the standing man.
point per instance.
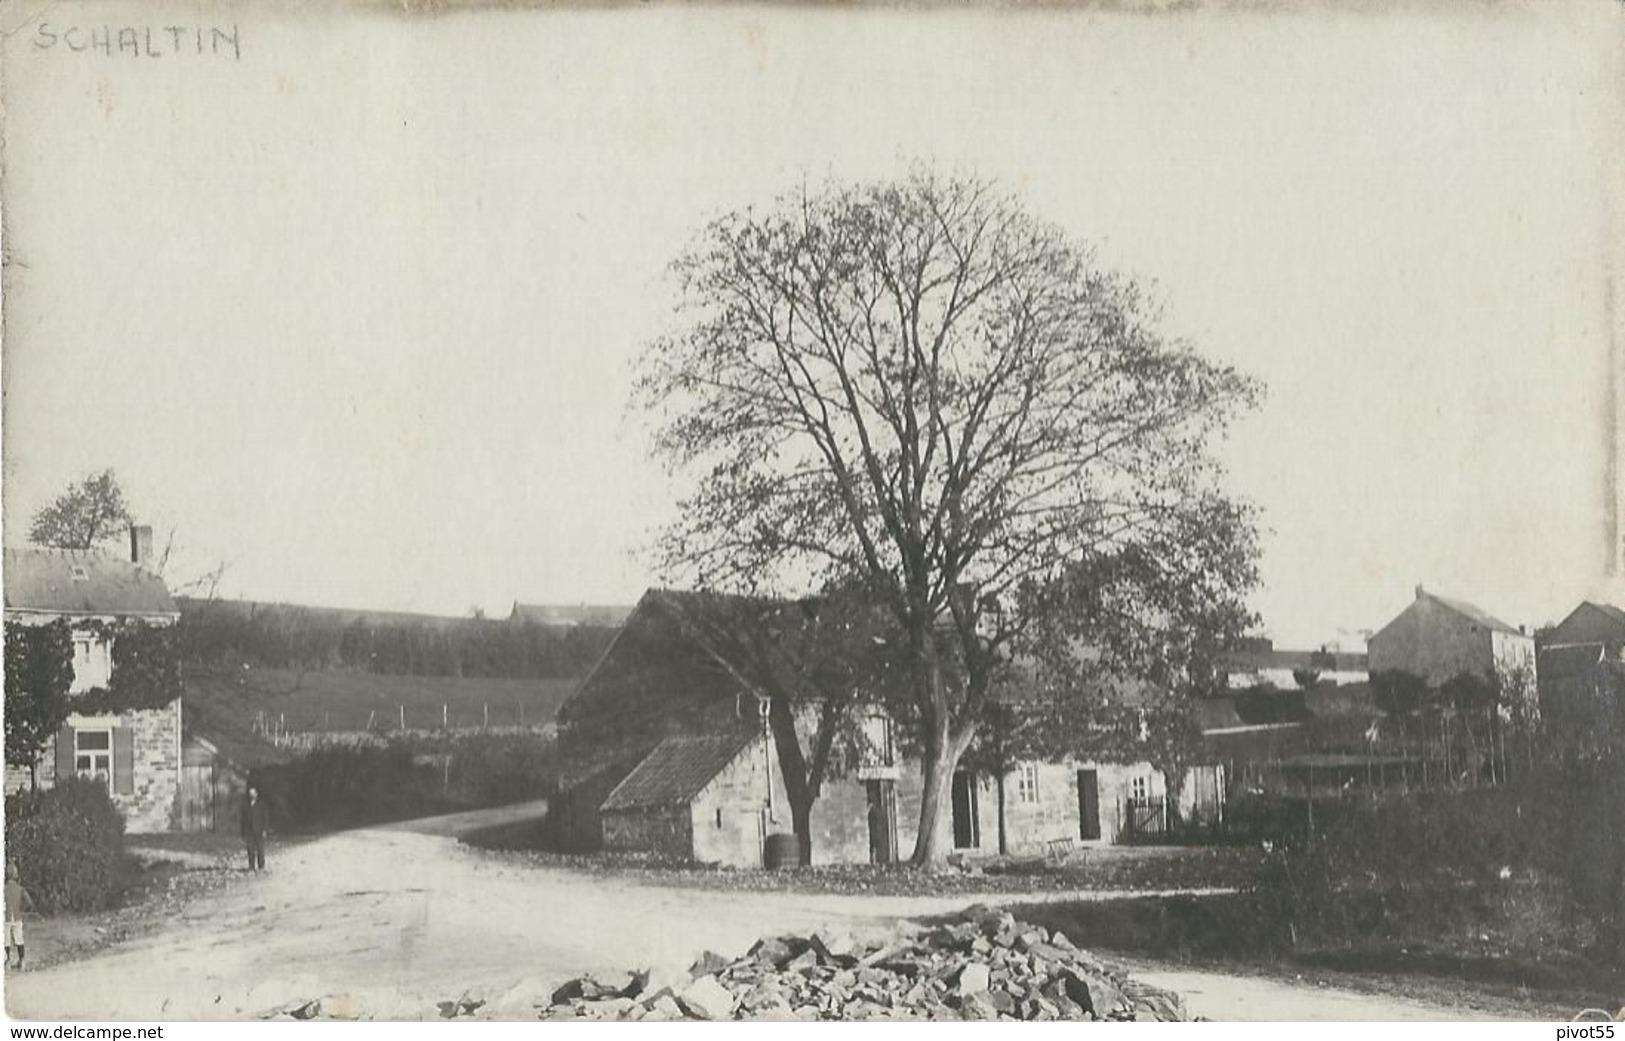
(254, 826)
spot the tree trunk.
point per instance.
(1173, 788)
(941, 759)
(801, 823)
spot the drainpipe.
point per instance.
(767, 754)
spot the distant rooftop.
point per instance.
(570, 614)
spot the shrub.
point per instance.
(495, 769)
(68, 845)
(350, 786)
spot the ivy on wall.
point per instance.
(39, 671)
(146, 669)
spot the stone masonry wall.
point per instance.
(156, 774)
(664, 831)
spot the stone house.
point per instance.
(137, 754)
(670, 727)
(1438, 639)
(1590, 623)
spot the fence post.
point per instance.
(403, 715)
(443, 715)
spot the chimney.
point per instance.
(1420, 592)
(141, 545)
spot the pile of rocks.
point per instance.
(988, 966)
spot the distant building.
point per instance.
(1438, 639)
(565, 616)
(1256, 663)
(137, 754)
(1590, 623)
(672, 755)
(1582, 671)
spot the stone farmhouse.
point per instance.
(672, 753)
(1438, 639)
(137, 754)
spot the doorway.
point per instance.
(967, 830)
(1088, 805)
(882, 821)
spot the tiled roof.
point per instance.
(1483, 618)
(676, 771)
(82, 582)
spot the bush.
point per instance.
(68, 845)
(496, 769)
(350, 786)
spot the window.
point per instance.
(1140, 790)
(79, 573)
(1027, 782)
(93, 754)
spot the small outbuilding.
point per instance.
(706, 799)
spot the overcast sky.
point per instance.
(355, 311)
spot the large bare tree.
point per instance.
(919, 386)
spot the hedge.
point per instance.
(68, 845)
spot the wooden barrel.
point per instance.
(783, 850)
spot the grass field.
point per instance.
(340, 699)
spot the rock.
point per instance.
(979, 1006)
(709, 962)
(305, 1009)
(803, 962)
(1030, 938)
(972, 979)
(1092, 993)
(1059, 939)
(339, 1006)
(774, 951)
(765, 996)
(705, 998)
(568, 991)
(835, 947)
(664, 1008)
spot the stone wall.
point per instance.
(1434, 642)
(152, 805)
(731, 817)
(663, 831)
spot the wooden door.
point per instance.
(1088, 805)
(882, 821)
(967, 831)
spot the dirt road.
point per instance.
(401, 918)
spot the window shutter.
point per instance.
(64, 753)
(123, 760)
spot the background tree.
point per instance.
(90, 511)
(39, 671)
(919, 386)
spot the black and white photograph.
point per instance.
(664, 512)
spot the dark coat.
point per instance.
(254, 819)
